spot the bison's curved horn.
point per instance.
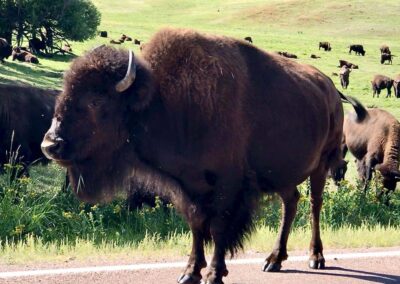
(130, 76)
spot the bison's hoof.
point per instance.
(317, 264)
(272, 267)
(189, 279)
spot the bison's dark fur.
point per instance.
(5, 50)
(373, 137)
(36, 45)
(249, 39)
(325, 45)
(103, 34)
(344, 76)
(27, 111)
(386, 57)
(385, 49)
(347, 64)
(396, 86)
(206, 122)
(380, 82)
(357, 48)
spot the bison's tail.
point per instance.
(360, 110)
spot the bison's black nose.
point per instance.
(53, 147)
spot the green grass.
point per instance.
(177, 246)
(294, 26)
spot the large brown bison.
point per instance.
(5, 50)
(325, 45)
(396, 86)
(24, 56)
(373, 137)
(206, 122)
(36, 45)
(380, 82)
(26, 111)
(357, 48)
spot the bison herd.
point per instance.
(211, 135)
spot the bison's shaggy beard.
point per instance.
(100, 179)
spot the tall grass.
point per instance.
(55, 215)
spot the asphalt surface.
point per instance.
(344, 267)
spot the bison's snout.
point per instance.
(53, 147)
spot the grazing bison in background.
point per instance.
(325, 45)
(5, 49)
(347, 64)
(36, 45)
(24, 56)
(203, 134)
(249, 39)
(384, 49)
(357, 48)
(386, 57)
(116, 41)
(103, 34)
(344, 76)
(26, 111)
(136, 41)
(313, 56)
(396, 86)
(380, 82)
(372, 137)
(286, 54)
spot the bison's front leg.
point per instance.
(197, 261)
(317, 180)
(290, 196)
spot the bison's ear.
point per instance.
(130, 76)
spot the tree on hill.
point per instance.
(51, 21)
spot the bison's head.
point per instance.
(338, 174)
(89, 134)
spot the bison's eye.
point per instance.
(95, 104)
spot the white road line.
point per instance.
(147, 266)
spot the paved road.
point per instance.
(341, 268)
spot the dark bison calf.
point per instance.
(396, 85)
(380, 82)
(344, 76)
(357, 48)
(347, 64)
(372, 137)
(325, 45)
(5, 49)
(386, 57)
(36, 45)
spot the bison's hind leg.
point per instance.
(290, 196)
(317, 181)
